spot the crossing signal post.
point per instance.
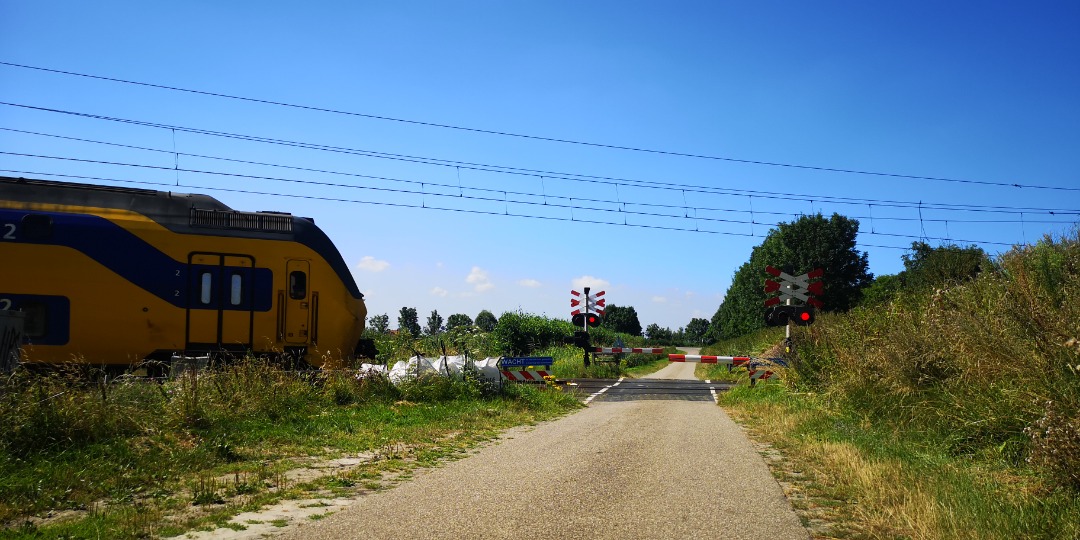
(790, 288)
(594, 309)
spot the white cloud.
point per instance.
(479, 279)
(439, 291)
(530, 283)
(590, 281)
(371, 264)
(659, 299)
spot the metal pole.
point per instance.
(586, 325)
(787, 329)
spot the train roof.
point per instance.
(175, 210)
(134, 199)
(187, 213)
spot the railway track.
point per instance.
(626, 389)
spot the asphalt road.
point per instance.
(625, 469)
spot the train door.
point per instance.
(220, 302)
(296, 308)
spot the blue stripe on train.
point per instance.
(48, 318)
(128, 255)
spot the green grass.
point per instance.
(192, 452)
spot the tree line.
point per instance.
(409, 320)
(618, 319)
(811, 242)
(804, 244)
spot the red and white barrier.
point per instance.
(525, 376)
(627, 350)
(762, 374)
(733, 360)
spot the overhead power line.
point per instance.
(429, 207)
(459, 186)
(614, 181)
(540, 138)
(504, 200)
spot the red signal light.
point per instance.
(802, 315)
(781, 315)
(580, 319)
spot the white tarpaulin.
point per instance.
(448, 366)
(371, 369)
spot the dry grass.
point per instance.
(851, 479)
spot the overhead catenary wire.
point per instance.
(505, 200)
(377, 203)
(537, 137)
(619, 202)
(616, 182)
(403, 205)
(554, 175)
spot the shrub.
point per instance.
(518, 334)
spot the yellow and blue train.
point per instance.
(112, 276)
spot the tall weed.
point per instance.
(973, 363)
(51, 411)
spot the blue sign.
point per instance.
(522, 361)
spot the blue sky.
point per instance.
(987, 92)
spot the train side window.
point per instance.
(37, 227)
(36, 323)
(206, 288)
(236, 289)
(297, 285)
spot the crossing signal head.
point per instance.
(804, 315)
(776, 316)
(581, 319)
(797, 315)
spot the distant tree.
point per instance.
(622, 319)
(657, 335)
(379, 323)
(797, 247)
(409, 321)
(434, 323)
(486, 321)
(696, 330)
(928, 266)
(458, 320)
